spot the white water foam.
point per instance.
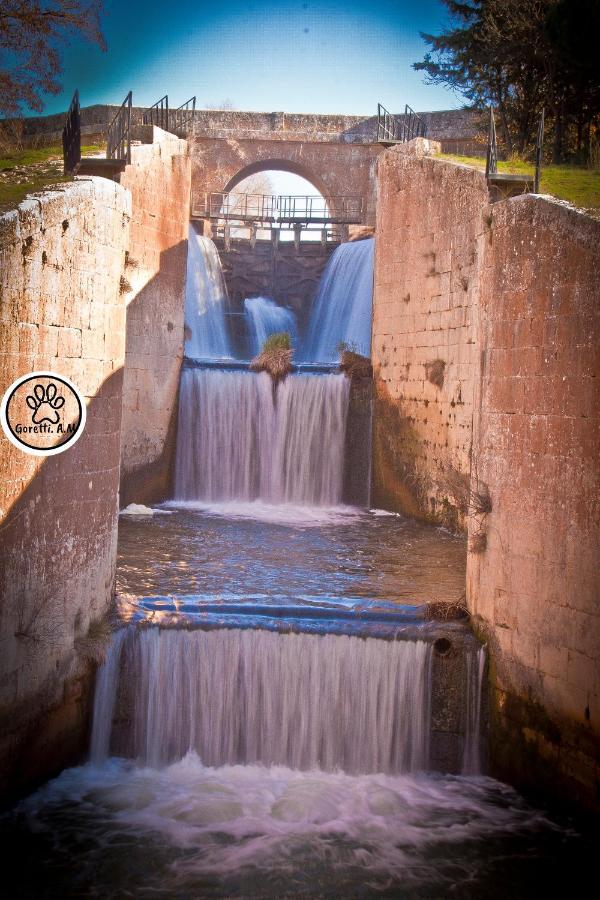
(232, 820)
(277, 514)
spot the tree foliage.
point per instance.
(520, 56)
(33, 34)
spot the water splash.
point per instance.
(239, 439)
(265, 317)
(205, 301)
(250, 696)
(342, 308)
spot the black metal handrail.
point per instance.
(539, 148)
(491, 160)
(399, 129)
(386, 125)
(413, 125)
(71, 137)
(183, 116)
(158, 114)
(118, 145)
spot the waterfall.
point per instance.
(205, 301)
(342, 308)
(475, 664)
(241, 439)
(249, 696)
(105, 698)
(265, 317)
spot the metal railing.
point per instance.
(71, 137)
(183, 117)
(158, 114)
(399, 129)
(297, 208)
(491, 160)
(118, 145)
(272, 209)
(539, 148)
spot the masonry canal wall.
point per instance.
(486, 329)
(62, 310)
(159, 181)
(92, 287)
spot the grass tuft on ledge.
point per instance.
(275, 358)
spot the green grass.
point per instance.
(281, 340)
(577, 184)
(25, 172)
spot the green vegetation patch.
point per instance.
(576, 184)
(27, 171)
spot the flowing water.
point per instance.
(267, 720)
(266, 317)
(240, 439)
(342, 308)
(205, 301)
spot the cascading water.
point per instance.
(342, 308)
(248, 696)
(238, 439)
(265, 317)
(475, 662)
(205, 301)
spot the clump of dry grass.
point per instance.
(275, 358)
(447, 610)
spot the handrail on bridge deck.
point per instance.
(273, 209)
(398, 130)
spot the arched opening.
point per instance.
(279, 194)
(278, 165)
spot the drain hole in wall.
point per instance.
(442, 646)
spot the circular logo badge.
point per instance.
(42, 413)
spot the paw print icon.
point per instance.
(42, 413)
(45, 404)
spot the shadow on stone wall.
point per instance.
(58, 549)
(155, 323)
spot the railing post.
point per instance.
(491, 163)
(539, 149)
(71, 136)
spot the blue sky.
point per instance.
(296, 55)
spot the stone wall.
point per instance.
(159, 181)
(533, 587)
(429, 246)
(61, 309)
(460, 126)
(502, 438)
